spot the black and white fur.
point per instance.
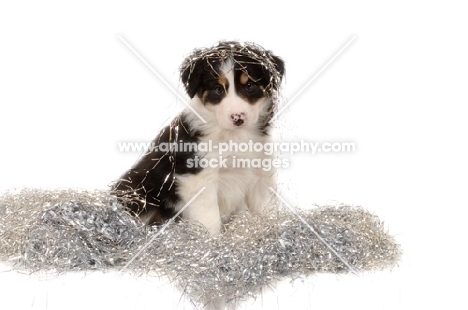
(230, 96)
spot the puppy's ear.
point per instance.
(279, 64)
(190, 74)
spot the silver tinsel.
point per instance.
(66, 230)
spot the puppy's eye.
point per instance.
(249, 86)
(218, 89)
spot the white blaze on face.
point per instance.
(234, 111)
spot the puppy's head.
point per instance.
(236, 82)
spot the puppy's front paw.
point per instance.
(214, 228)
(205, 214)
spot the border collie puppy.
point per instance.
(233, 88)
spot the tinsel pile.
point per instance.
(68, 230)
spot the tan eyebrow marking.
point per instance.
(244, 78)
(222, 80)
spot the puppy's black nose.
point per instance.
(238, 119)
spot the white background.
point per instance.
(70, 90)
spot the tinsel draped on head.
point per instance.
(242, 54)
